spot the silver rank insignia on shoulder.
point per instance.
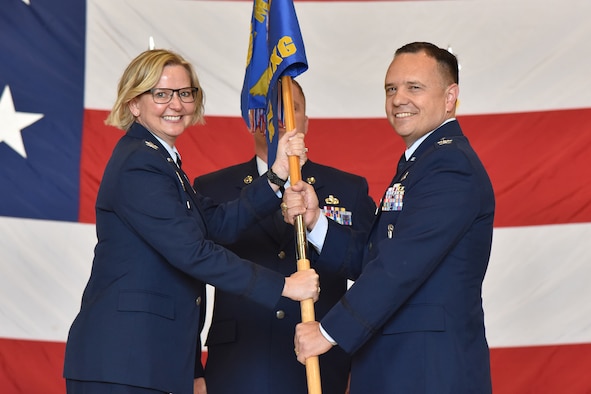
(151, 144)
(444, 141)
(393, 199)
(247, 179)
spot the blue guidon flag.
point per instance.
(276, 49)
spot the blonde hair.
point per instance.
(141, 75)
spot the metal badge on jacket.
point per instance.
(338, 214)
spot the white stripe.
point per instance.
(527, 55)
(44, 266)
(536, 291)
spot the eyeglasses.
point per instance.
(164, 95)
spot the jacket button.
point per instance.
(281, 255)
(198, 301)
(280, 314)
(370, 246)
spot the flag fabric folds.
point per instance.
(524, 106)
(41, 108)
(276, 49)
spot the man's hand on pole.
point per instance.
(309, 341)
(301, 199)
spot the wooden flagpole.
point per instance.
(307, 306)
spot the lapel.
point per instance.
(310, 176)
(441, 135)
(449, 130)
(239, 177)
(138, 131)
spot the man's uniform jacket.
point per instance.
(250, 348)
(413, 320)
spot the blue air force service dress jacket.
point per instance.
(413, 320)
(141, 308)
(250, 348)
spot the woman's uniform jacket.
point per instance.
(141, 309)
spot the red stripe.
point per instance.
(538, 162)
(31, 367)
(36, 367)
(542, 369)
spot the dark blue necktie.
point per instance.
(401, 163)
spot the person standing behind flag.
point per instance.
(413, 320)
(250, 348)
(136, 331)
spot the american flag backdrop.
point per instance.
(525, 104)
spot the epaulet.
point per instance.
(151, 144)
(444, 141)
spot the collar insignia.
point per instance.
(151, 144)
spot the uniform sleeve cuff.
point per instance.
(317, 236)
(328, 337)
